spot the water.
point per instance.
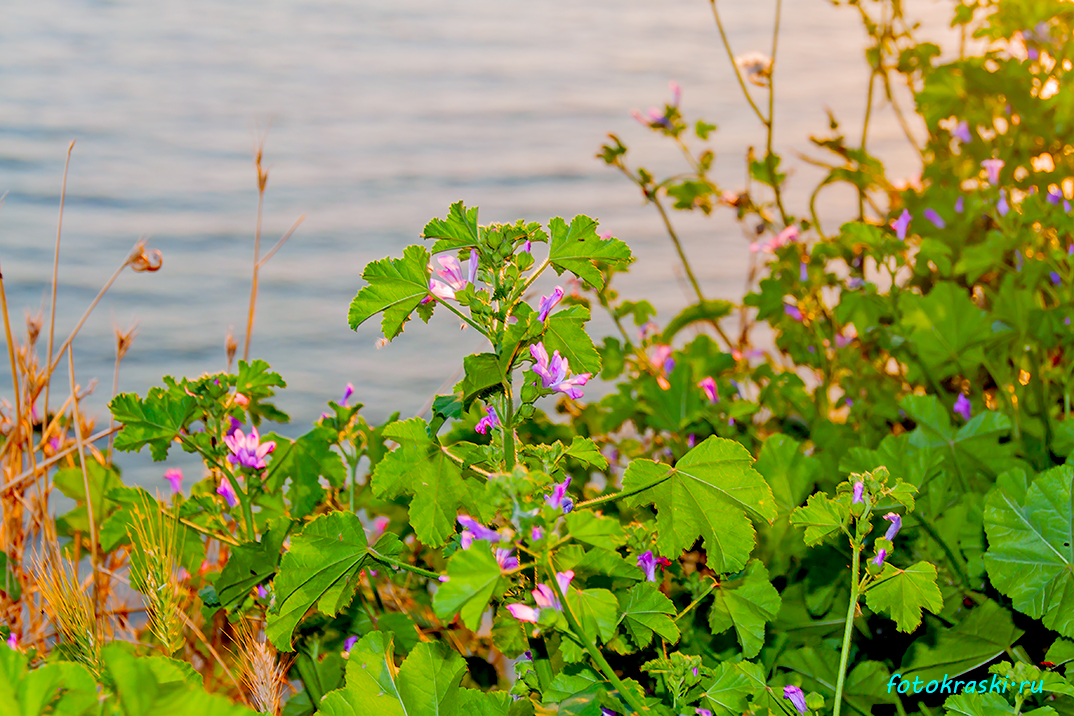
(380, 116)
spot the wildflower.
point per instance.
(757, 66)
(992, 166)
(235, 425)
(708, 385)
(13, 641)
(248, 450)
(1055, 277)
(859, 491)
(963, 407)
(490, 421)
(506, 559)
(349, 643)
(536, 534)
(700, 711)
(554, 373)
(559, 499)
(261, 591)
(472, 529)
(894, 527)
(691, 441)
(878, 560)
(241, 399)
(662, 358)
(795, 695)
(527, 247)
(347, 393)
(962, 132)
(605, 711)
(676, 93)
(1066, 206)
(226, 491)
(659, 118)
(783, 238)
(647, 562)
(803, 271)
(544, 597)
(793, 312)
(647, 330)
(854, 282)
(549, 302)
(901, 225)
(1054, 196)
(1002, 206)
(523, 613)
(175, 477)
(846, 336)
(451, 273)
(960, 204)
(935, 218)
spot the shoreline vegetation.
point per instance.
(880, 499)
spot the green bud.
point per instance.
(524, 260)
(525, 412)
(528, 394)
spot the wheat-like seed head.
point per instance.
(262, 672)
(69, 608)
(155, 571)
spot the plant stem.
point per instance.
(731, 56)
(697, 601)
(509, 427)
(401, 565)
(617, 495)
(848, 629)
(590, 646)
(770, 125)
(55, 275)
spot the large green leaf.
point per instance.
(457, 231)
(731, 687)
(394, 286)
(473, 577)
(1030, 555)
(565, 332)
(577, 248)
(377, 687)
(821, 516)
(903, 593)
(321, 567)
(304, 462)
(984, 634)
(250, 564)
(155, 421)
(646, 611)
(866, 684)
(973, 447)
(707, 494)
(948, 331)
(422, 469)
(745, 604)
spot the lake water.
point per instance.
(380, 115)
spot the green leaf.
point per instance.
(457, 231)
(473, 577)
(155, 421)
(948, 331)
(376, 687)
(707, 494)
(394, 286)
(565, 332)
(304, 461)
(321, 567)
(420, 468)
(256, 381)
(985, 633)
(102, 480)
(903, 593)
(983, 704)
(595, 530)
(726, 695)
(707, 310)
(821, 516)
(596, 610)
(746, 604)
(482, 376)
(577, 248)
(251, 564)
(865, 686)
(584, 450)
(1030, 555)
(645, 611)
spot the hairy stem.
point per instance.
(848, 629)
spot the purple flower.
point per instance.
(992, 166)
(700, 711)
(935, 218)
(708, 385)
(349, 643)
(963, 407)
(960, 204)
(536, 534)
(559, 499)
(1054, 196)
(554, 373)
(473, 266)
(605, 711)
(901, 224)
(878, 560)
(226, 491)
(1055, 277)
(894, 527)
(527, 247)
(545, 598)
(691, 440)
(1002, 206)
(523, 613)
(662, 358)
(647, 562)
(653, 118)
(962, 132)
(549, 302)
(506, 559)
(793, 312)
(235, 425)
(490, 421)
(347, 393)
(175, 476)
(859, 490)
(796, 697)
(803, 271)
(248, 450)
(1066, 206)
(261, 591)
(475, 530)
(695, 674)
(451, 275)
(12, 640)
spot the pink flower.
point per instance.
(490, 421)
(175, 477)
(248, 450)
(962, 132)
(963, 407)
(901, 225)
(709, 386)
(787, 236)
(992, 166)
(554, 372)
(13, 641)
(506, 559)
(226, 491)
(549, 302)
(451, 279)
(523, 613)
(242, 399)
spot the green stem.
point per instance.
(465, 318)
(521, 291)
(401, 565)
(509, 427)
(731, 56)
(848, 629)
(617, 495)
(590, 646)
(770, 125)
(865, 136)
(697, 601)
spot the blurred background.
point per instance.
(379, 115)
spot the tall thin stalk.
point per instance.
(76, 419)
(848, 628)
(55, 275)
(262, 180)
